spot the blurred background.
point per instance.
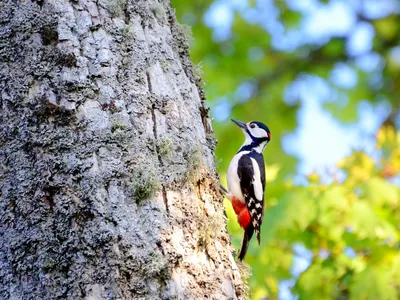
(325, 77)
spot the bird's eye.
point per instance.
(252, 126)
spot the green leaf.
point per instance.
(317, 282)
(365, 223)
(333, 199)
(295, 210)
(362, 212)
(387, 27)
(380, 192)
(373, 283)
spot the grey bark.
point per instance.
(107, 177)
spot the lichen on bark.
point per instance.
(101, 116)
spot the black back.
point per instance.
(246, 176)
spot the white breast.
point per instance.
(233, 177)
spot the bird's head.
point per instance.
(257, 135)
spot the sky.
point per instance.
(316, 125)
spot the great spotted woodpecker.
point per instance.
(246, 181)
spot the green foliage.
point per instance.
(359, 213)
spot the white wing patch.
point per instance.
(258, 188)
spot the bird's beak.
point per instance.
(239, 123)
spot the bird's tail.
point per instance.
(248, 233)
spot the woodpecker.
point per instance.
(246, 181)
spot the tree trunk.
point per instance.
(108, 183)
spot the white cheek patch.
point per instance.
(258, 132)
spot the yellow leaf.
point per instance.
(272, 284)
(260, 293)
(271, 172)
(313, 177)
(380, 138)
(387, 27)
(391, 136)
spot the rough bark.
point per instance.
(108, 183)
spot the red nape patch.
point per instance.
(238, 205)
(244, 218)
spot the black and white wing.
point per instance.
(251, 172)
